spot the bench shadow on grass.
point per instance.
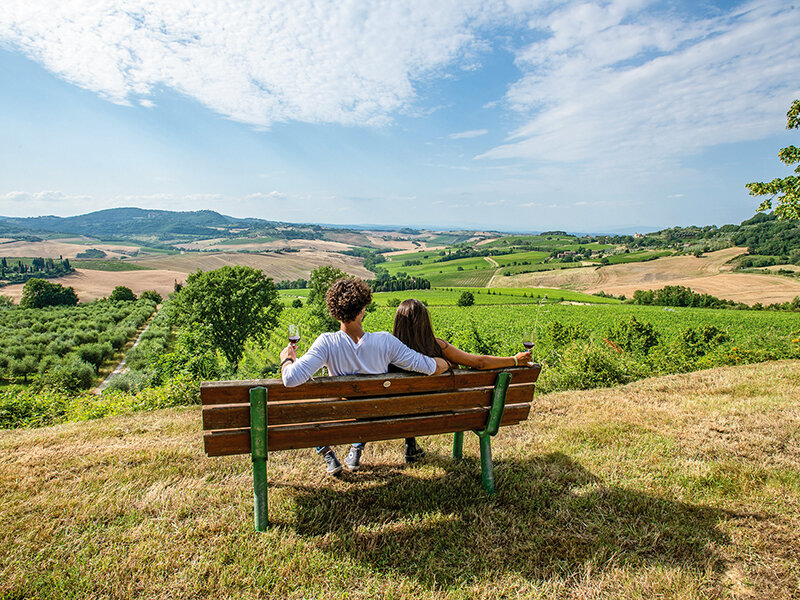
(550, 518)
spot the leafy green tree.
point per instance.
(786, 191)
(319, 282)
(23, 367)
(466, 299)
(122, 293)
(230, 305)
(151, 295)
(39, 293)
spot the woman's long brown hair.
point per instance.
(412, 326)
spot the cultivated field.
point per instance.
(241, 244)
(67, 248)
(675, 487)
(709, 274)
(98, 284)
(291, 265)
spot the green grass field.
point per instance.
(106, 265)
(618, 259)
(447, 297)
(679, 487)
(244, 241)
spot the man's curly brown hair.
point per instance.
(346, 297)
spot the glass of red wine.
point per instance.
(528, 339)
(294, 334)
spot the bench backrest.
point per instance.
(338, 410)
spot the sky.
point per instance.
(601, 116)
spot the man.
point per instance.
(352, 351)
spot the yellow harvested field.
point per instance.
(795, 268)
(291, 265)
(98, 284)
(216, 245)
(164, 271)
(63, 248)
(709, 274)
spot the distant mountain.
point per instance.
(121, 222)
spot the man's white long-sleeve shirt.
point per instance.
(372, 355)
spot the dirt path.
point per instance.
(122, 366)
(496, 265)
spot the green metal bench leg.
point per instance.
(458, 445)
(487, 468)
(258, 450)
(492, 426)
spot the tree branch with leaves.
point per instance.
(785, 192)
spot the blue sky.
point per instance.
(511, 115)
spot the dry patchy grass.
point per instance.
(676, 487)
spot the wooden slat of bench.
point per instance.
(286, 412)
(237, 441)
(235, 392)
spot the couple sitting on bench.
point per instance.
(352, 351)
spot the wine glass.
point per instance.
(294, 333)
(529, 339)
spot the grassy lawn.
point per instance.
(676, 487)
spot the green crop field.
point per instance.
(631, 257)
(107, 265)
(519, 257)
(585, 346)
(244, 241)
(492, 296)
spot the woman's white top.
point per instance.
(372, 355)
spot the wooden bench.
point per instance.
(259, 416)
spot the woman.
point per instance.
(412, 326)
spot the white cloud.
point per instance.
(468, 134)
(618, 86)
(256, 62)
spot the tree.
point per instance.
(39, 293)
(230, 305)
(152, 295)
(319, 282)
(466, 299)
(122, 293)
(786, 191)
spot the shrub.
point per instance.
(69, 375)
(297, 303)
(466, 299)
(122, 293)
(393, 302)
(701, 340)
(585, 366)
(151, 295)
(131, 381)
(95, 354)
(634, 335)
(561, 335)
